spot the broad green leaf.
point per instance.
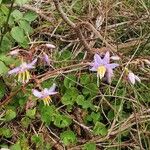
(47, 113)
(37, 139)
(10, 114)
(3, 68)
(70, 81)
(17, 15)
(68, 137)
(84, 103)
(18, 34)
(89, 146)
(62, 121)
(30, 16)
(85, 79)
(6, 132)
(21, 2)
(25, 122)
(16, 146)
(6, 44)
(70, 96)
(31, 113)
(25, 26)
(100, 129)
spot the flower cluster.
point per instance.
(101, 65)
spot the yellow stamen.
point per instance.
(101, 71)
(47, 100)
(19, 76)
(27, 75)
(23, 77)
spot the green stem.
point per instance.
(6, 24)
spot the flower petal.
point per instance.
(46, 58)
(97, 59)
(93, 68)
(50, 46)
(137, 78)
(31, 65)
(52, 88)
(15, 70)
(115, 57)
(37, 93)
(131, 77)
(106, 58)
(109, 74)
(112, 66)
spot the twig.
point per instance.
(72, 25)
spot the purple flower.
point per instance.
(103, 66)
(46, 58)
(45, 94)
(22, 71)
(133, 78)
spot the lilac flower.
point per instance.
(133, 78)
(103, 66)
(45, 94)
(46, 58)
(23, 71)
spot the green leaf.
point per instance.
(21, 2)
(89, 146)
(17, 15)
(10, 114)
(100, 129)
(70, 96)
(91, 89)
(84, 103)
(85, 79)
(25, 26)
(18, 34)
(6, 44)
(16, 146)
(7, 59)
(70, 81)
(47, 113)
(31, 113)
(62, 121)
(30, 16)
(68, 137)
(36, 139)
(6, 132)
(25, 122)
(65, 55)
(3, 68)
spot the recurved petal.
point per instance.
(112, 65)
(97, 59)
(137, 78)
(52, 88)
(106, 58)
(109, 74)
(14, 71)
(93, 68)
(46, 58)
(37, 93)
(31, 65)
(131, 77)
